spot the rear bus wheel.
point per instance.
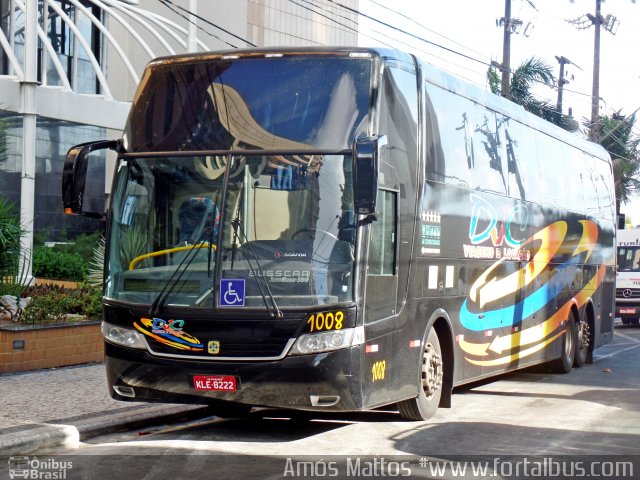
(425, 405)
(565, 362)
(583, 344)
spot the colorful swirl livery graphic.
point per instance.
(553, 279)
(169, 332)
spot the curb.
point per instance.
(29, 438)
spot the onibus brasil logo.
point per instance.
(37, 469)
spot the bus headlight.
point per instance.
(127, 337)
(322, 342)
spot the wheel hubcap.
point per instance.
(431, 371)
(584, 336)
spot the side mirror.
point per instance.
(366, 158)
(74, 175)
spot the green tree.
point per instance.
(615, 134)
(531, 72)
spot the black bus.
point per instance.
(340, 229)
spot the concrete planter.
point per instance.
(32, 347)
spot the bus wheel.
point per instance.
(424, 406)
(565, 362)
(583, 344)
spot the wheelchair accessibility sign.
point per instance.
(231, 292)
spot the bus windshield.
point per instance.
(629, 259)
(282, 229)
(251, 104)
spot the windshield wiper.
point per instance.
(171, 283)
(235, 223)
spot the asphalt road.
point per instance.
(593, 411)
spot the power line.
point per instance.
(417, 37)
(428, 54)
(435, 44)
(336, 14)
(323, 15)
(426, 28)
(335, 21)
(166, 4)
(199, 17)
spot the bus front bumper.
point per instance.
(327, 381)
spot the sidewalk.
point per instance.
(63, 406)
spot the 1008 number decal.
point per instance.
(319, 322)
(378, 370)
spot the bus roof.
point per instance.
(431, 74)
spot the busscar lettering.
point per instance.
(284, 276)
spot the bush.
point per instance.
(47, 263)
(12, 262)
(10, 233)
(51, 304)
(83, 246)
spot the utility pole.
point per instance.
(595, 90)
(506, 50)
(610, 23)
(509, 25)
(561, 80)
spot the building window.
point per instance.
(72, 55)
(74, 58)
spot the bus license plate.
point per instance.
(215, 383)
(627, 311)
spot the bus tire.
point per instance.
(425, 405)
(565, 362)
(583, 344)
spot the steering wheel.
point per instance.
(325, 232)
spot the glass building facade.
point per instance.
(52, 142)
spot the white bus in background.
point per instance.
(628, 276)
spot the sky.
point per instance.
(469, 27)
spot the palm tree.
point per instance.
(615, 134)
(532, 71)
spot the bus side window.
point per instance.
(551, 164)
(592, 201)
(382, 247)
(451, 120)
(574, 181)
(604, 185)
(489, 167)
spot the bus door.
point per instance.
(391, 234)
